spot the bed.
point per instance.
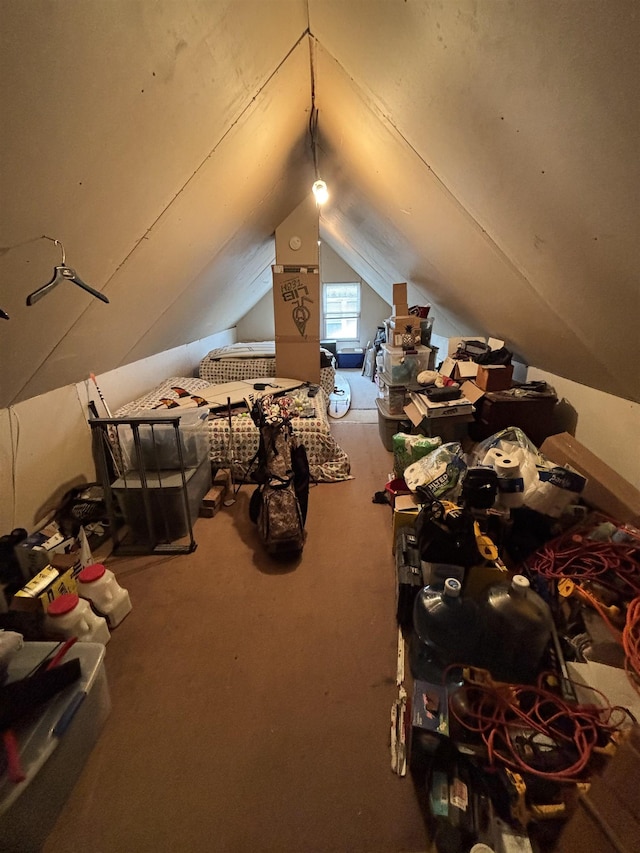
(327, 461)
(253, 360)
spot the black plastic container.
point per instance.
(517, 629)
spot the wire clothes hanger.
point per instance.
(62, 272)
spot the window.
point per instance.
(341, 308)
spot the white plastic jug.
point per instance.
(99, 586)
(72, 616)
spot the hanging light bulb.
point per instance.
(320, 192)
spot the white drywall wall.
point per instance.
(45, 442)
(608, 426)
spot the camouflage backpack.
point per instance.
(279, 503)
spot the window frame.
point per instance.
(341, 315)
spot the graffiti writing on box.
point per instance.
(294, 291)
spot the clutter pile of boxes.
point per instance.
(487, 398)
(518, 611)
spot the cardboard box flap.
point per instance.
(455, 369)
(411, 411)
(471, 391)
(605, 490)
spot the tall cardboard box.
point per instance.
(606, 490)
(296, 307)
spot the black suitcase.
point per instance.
(408, 575)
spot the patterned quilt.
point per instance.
(236, 447)
(251, 361)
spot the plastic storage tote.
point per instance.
(53, 745)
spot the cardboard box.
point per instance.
(400, 294)
(605, 490)
(401, 325)
(298, 360)
(431, 410)
(45, 587)
(401, 322)
(494, 377)
(430, 707)
(296, 306)
(34, 553)
(471, 391)
(458, 370)
(451, 428)
(405, 512)
(429, 723)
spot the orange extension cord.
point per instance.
(504, 714)
(631, 643)
(582, 559)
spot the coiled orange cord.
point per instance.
(579, 558)
(506, 716)
(631, 643)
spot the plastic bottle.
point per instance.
(99, 586)
(517, 630)
(72, 616)
(446, 630)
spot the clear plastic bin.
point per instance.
(53, 746)
(401, 366)
(158, 444)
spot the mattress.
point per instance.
(236, 447)
(253, 360)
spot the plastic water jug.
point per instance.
(517, 630)
(99, 586)
(71, 616)
(446, 630)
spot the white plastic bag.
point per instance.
(439, 473)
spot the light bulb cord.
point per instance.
(313, 118)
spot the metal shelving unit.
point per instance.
(154, 479)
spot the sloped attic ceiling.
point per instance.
(484, 152)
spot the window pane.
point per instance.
(343, 329)
(342, 298)
(342, 311)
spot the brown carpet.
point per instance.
(251, 702)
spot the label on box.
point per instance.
(459, 795)
(38, 583)
(439, 794)
(430, 709)
(563, 479)
(50, 584)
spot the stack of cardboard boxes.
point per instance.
(402, 358)
(404, 327)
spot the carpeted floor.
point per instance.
(363, 398)
(363, 390)
(251, 701)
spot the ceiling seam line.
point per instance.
(138, 242)
(123, 361)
